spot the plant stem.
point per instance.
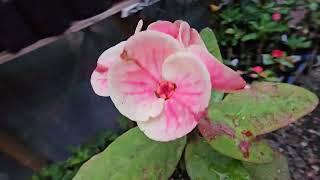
(259, 51)
(313, 56)
(230, 53)
(243, 54)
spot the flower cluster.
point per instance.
(162, 78)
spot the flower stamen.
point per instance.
(165, 90)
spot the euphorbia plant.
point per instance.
(167, 80)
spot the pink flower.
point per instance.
(276, 16)
(222, 77)
(162, 79)
(179, 30)
(257, 69)
(277, 53)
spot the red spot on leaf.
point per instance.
(247, 133)
(245, 148)
(210, 130)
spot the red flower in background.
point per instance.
(257, 69)
(276, 16)
(277, 53)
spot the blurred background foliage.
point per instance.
(250, 31)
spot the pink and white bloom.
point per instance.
(276, 16)
(277, 53)
(257, 69)
(162, 79)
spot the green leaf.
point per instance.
(125, 123)
(267, 59)
(313, 6)
(230, 31)
(217, 135)
(251, 36)
(277, 169)
(242, 116)
(216, 97)
(211, 43)
(254, 24)
(272, 79)
(202, 162)
(134, 156)
(265, 107)
(295, 42)
(267, 73)
(284, 62)
(231, 15)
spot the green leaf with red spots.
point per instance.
(134, 156)
(264, 107)
(277, 169)
(202, 162)
(224, 139)
(233, 124)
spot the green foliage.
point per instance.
(265, 25)
(269, 76)
(284, 62)
(204, 163)
(250, 36)
(211, 43)
(125, 123)
(277, 169)
(249, 21)
(267, 59)
(242, 116)
(134, 156)
(231, 15)
(245, 30)
(295, 42)
(67, 169)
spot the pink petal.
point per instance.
(187, 35)
(184, 109)
(149, 49)
(195, 39)
(133, 80)
(165, 27)
(223, 78)
(99, 79)
(184, 32)
(139, 26)
(179, 30)
(132, 91)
